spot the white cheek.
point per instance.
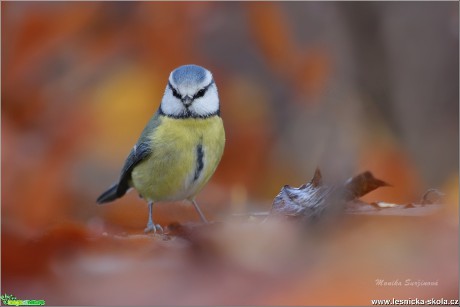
(208, 104)
(171, 105)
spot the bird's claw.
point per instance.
(153, 228)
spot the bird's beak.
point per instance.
(187, 101)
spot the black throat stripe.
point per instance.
(199, 161)
(189, 114)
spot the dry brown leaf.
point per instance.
(313, 199)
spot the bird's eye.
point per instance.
(174, 91)
(200, 93)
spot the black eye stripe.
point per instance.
(174, 91)
(199, 94)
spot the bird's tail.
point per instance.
(109, 195)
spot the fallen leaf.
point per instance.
(311, 200)
(431, 196)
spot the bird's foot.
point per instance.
(151, 227)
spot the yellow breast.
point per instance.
(185, 154)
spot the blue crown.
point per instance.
(189, 74)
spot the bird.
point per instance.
(179, 149)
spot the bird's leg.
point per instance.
(150, 225)
(203, 219)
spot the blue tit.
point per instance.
(181, 146)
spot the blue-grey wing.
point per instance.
(139, 153)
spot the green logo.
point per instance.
(11, 300)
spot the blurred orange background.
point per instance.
(346, 87)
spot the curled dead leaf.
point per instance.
(313, 199)
(431, 196)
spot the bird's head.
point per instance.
(191, 92)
